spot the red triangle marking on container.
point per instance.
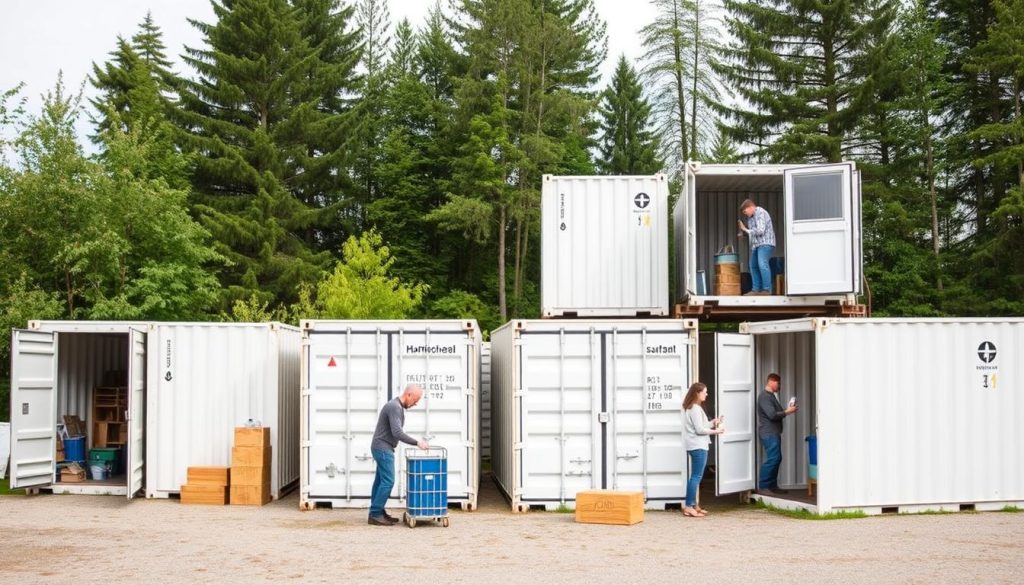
(331, 363)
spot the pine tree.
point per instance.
(799, 66)
(628, 146)
(265, 120)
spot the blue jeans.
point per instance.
(383, 480)
(760, 273)
(769, 478)
(698, 461)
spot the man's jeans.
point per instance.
(769, 478)
(760, 273)
(383, 480)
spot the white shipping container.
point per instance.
(816, 214)
(909, 414)
(582, 405)
(350, 369)
(604, 246)
(189, 385)
(485, 400)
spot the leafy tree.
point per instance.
(459, 304)
(628, 146)
(682, 47)
(361, 286)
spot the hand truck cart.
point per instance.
(427, 480)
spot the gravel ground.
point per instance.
(105, 539)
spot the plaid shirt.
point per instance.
(761, 231)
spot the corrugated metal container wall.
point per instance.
(920, 412)
(590, 404)
(485, 400)
(289, 341)
(83, 361)
(350, 369)
(604, 246)
(204, 380)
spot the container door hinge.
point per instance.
(602, 417)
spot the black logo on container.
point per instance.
(642, 200)
(987, 352)
(562, 227)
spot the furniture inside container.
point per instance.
(718, 199)
(92, 385)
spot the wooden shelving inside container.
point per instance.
(109, 407)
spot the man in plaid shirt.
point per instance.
(762, 245)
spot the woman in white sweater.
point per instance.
(698, 437)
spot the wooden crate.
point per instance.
(252, 437)
(212, 495)
(250, 457)
(609, 507)
(209, 476)
(250, 476)
(73, 473)
(250, 495)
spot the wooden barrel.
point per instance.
(727, 275)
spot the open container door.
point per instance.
(819, 229)
(136, 419)
(33, 408)
(734, 397)
(689, 195)
(858, 234)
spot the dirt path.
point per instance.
(104, 539)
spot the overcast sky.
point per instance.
(38, 38)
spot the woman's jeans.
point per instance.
(760, 273)
(698, 460)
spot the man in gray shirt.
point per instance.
(770, 415)
(385, 438)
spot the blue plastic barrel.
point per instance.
(428, 486)
(74, 449)
(812, 449)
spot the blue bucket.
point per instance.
(74, 449)
(812, 449)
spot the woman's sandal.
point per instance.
(691, 513)
(700, 511)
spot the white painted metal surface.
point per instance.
(350, 369)
(704, 221)
(33, 407)
(910, 414)
(735, 390)
(485, 400)
(191, 384)
(205, 379)
(820, 230)
(604, 243)
(590, 404)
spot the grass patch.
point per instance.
(1011, 509)
(807, 515)
(563, 509)
(5, 488)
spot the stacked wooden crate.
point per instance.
(250, 467)
(206, 485)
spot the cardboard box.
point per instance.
(609, 507)
(250, 457)
(250, 476)
(248, 495)
(252, 437)
(211, 495)
(73, 473)
(209, 476)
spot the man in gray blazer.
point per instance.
(770, 415)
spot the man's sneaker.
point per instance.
(390, 518)
(379, 521)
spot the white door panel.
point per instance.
(819, 229)
(136, 447)
(33, 408)
(735, 392)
